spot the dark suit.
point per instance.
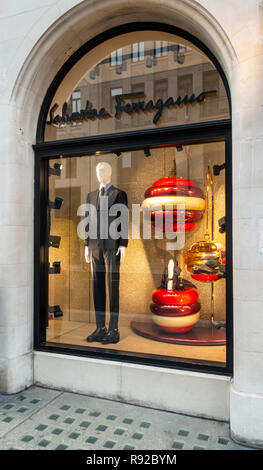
(103, 250)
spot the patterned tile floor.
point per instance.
(39, 418)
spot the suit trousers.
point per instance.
(105, 262)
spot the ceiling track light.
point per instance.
(56, 204)
(54, 241)
(118, 153)
(147, 152)
(55, 269)
(56, 170)
(56, 310)
(218, 168)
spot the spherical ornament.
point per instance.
(176, 324)
(196, 258)
(175, 297)
(175, 311)
(173, 192)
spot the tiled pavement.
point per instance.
(41, 418)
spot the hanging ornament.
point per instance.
(175, 307)
(202, 261)
(171, 192)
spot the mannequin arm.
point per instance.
(122, 252)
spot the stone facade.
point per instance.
(36, 38)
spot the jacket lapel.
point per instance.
(112, 194)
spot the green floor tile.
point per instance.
(57, 431)
(109, 444)
(27, 438)
(111, 417)
(34, 401)
(183, 432)
(128, 447)
(22, 409)
(127, 420)
(94, 413)
(119, 431)
(53, 417)
(44, 443)
(61, 447)
(101, 427)
(137, 436)
(21, 398)
(222, 440)
(80, 410)
(8, 406)
(92, 439)
(144, 424)
(85, 424)
(8, 419)
(65, 407)
(178, 445)
(74, 435)
(69, 420)
(41, 427)
(203, 437)
(199, 448)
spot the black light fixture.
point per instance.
(54, 241)
(56, 310)
(56, 204)
(222, 225)
(56, 170)
(179, 148)
(218, 168)
(55, 269)
(118, 153)
(92, 74)
(147, 152)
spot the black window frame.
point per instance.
(201, 132)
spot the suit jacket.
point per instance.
(115, 196)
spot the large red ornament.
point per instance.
(172, 192)
(175, 311)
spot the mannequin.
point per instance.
(105, 255)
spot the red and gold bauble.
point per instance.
(198, 255)
(175, 311)
(173, 192)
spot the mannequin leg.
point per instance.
(113, 277)
(99, 291)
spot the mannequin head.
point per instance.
(103, 170)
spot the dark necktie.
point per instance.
(101, 193)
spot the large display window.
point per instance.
(134, 195)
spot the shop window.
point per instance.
(154, 270)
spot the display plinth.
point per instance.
(209, 336)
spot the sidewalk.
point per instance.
(41, 418)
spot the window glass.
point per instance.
(192, 89)
(167, 296)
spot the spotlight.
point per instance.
(54, 241)
(222, 225)
(56, 310)
(147, 152)
(56, 170)
(56, 204)
(118, 153)
(55, 269)
(217, 169)
(179, 148)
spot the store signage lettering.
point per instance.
(122, 105)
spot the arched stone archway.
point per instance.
(60, 31)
